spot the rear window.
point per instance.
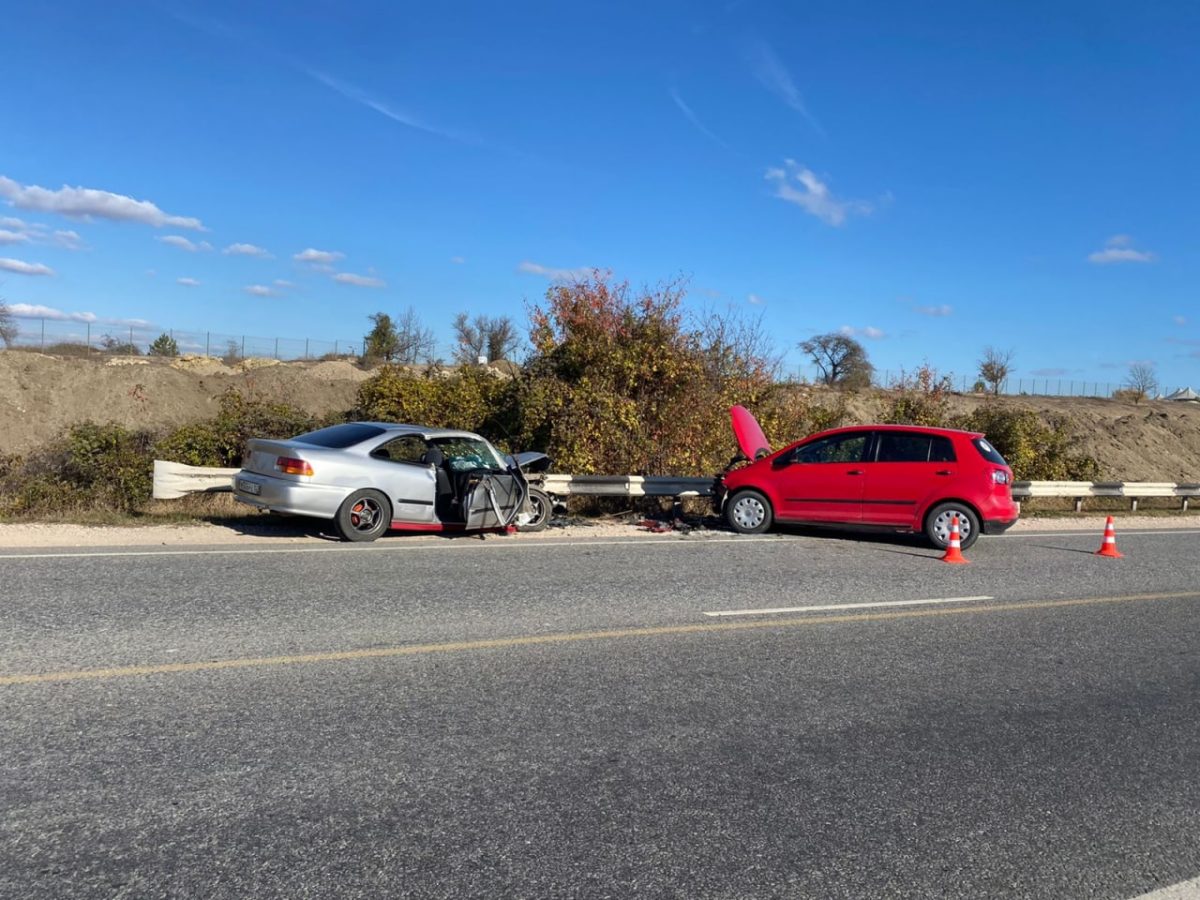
(988, 452)
(339, 437)
(901, 446)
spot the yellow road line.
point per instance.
(563, 638)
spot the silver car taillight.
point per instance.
(999, 476)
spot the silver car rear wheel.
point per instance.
(748, 512)
(363, 516)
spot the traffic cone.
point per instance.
(954, 548)
(1109, 547)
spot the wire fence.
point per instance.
(61, 337)
(1035, 387)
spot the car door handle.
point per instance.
(855, 472)
(943, 472)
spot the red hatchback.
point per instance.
(899, 477)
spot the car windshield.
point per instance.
(464, 453)
(339, 437)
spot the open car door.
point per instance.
(492, 498)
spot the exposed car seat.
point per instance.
(444, 496)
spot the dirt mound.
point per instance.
(41, 395)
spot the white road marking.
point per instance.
(1184, 890)
(829, 606)
(460, 544)
(1100, 533)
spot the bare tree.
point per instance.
(492, 338)
(1141, 381)
(841, 360)
(995, 367)
(8, 325)
(414, 342)
(735, 345)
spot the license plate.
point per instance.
(249, 487)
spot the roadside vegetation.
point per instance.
(615, 380)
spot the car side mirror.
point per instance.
(782, 462)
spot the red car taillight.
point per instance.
(289, 466)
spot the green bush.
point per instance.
(921, 398)
(1036, 449)
(473, 398)
(221, 441)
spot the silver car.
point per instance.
(371, 476)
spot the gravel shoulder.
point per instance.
(259, 532)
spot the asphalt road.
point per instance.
(501, 718)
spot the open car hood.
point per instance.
(750, 437)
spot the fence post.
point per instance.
(43, 346)
(89, 340)
(306, 348)
(277, 348)
(131, 338)
(335, 353)
(207, 336)
(243, 346)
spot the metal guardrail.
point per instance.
(175, 480)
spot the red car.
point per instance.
(896, 477)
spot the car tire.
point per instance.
(749, 512)
(937, 524)
(364, 516)
(540, 507)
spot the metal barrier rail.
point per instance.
(174, 480)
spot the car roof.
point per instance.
(399, 428)
(922, 429)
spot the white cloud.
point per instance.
(178, 240)
(9, 222)
(246, 250)
(188, 282)
(1179, 320)
(1119, 249)
(358, 95)
(869, 332)
(458, 260)
(532, 268)
(260, 290)
(69, 240)
(89, 203)
(359, 280)
(694, 119)
(754, 299)
(937, 311)
(24, 268)
(774, 76)
(318, 257)
(799, 185)
(13, 237)
(283, 283)
(35, 311)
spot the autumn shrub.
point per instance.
(921, 397)
(619, 382)
(1037, 449)
(221, 441)
(472, 398)
(93, 466)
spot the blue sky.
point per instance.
(933, 177)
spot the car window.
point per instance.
(839, 448)
(988, 452)
(406, 448)
(463, 454)
(905, 446)
(339, 437)
(941, 449)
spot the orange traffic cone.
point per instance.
(954, 548)
(1109, 547)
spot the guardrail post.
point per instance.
(1078, 504)
(1133, 504)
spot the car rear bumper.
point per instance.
(298, 498)
(997, 526)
